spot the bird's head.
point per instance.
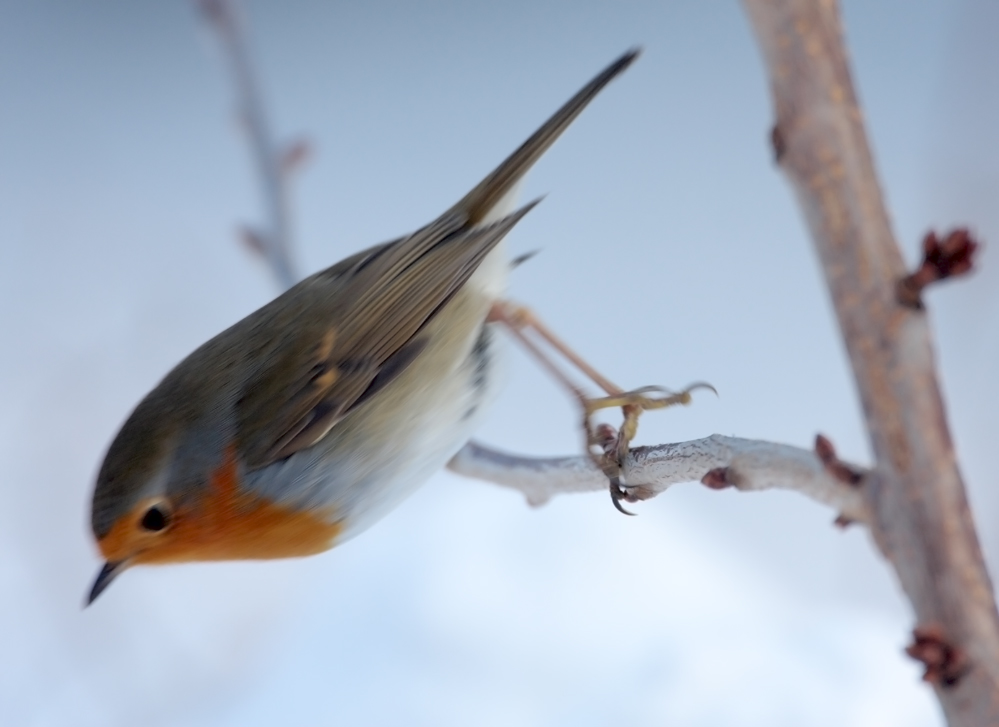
(164, 495)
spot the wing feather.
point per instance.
(328, 344)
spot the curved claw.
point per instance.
(701, 385)
(607, 450)
(617, 494)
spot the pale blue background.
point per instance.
(671, 252)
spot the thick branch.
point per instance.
(717, 461)
(920, 512)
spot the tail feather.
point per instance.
(502, 181)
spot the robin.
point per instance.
(303, 423)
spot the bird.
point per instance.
(306, 421)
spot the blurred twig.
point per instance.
(274, 163)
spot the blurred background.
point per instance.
(671, 251)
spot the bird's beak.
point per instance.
(104, 578)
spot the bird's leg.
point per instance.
(607, 449)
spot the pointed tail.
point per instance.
(488, 193)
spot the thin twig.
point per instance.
(273, 163)
(717, 461)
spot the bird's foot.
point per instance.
(608, 448)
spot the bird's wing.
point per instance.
(340, 336)
(334, 340)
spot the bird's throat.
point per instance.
(224, 522)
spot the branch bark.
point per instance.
(717, 461)
(920, 513)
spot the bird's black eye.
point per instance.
(155, 519)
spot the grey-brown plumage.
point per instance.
(300, 389)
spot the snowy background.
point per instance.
(671, 252)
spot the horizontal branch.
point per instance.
(717, 461)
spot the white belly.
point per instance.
(380, 453)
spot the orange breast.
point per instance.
(224, 523)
